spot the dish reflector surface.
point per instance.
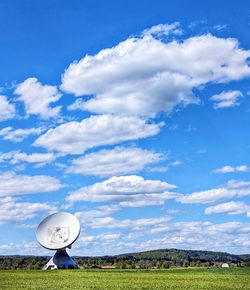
(58, 231)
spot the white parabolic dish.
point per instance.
(58, 231)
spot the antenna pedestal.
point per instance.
(61, 260)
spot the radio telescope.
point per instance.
(57, 232)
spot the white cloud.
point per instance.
(220, 27)
(86, 239)
(232, 188)
(7, 110)
(163, 29)
(226, 99)
(142, 200)
(23, 248)
(117, 161)
(232, 207)
(110, 236)
(98, 212)
(158, 169)
(15, 157)
(76, 137)
(232, 237)
(229, 169)
(144, 76)
(18, 135)
(38, 97)
(242, 168)
(13, 184)
(175, 163)
(139, 235)
(134, 224)
(6, 156)
(196, 23)
(12, 210)
(128, 190)
(38, 158)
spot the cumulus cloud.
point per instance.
(232, 188)
(117, 161)
(232, 207)
(38, 97)
(230, 169)
(18, 135)
(38, 158)
(144, 76)
(128, 190)
(15, 157)
(12, 210)
(7, 110)
(76, 137)
(226, 99)
(13, 184)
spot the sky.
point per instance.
(133, 116)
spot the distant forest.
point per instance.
(166, 258)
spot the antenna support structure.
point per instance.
(58, 232)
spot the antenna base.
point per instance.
(61, 260)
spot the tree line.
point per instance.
(157, 259)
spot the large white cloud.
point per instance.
(76, 137)
(232, 188)
(18, 135)
(12, 210)
(128, 190)
(13, 184)
(144, 76)
(117, 161)
(7, 110)
(38, 97)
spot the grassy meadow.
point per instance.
(186, 278)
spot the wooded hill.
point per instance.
(181, 255)
(164, 258)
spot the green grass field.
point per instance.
(195, 279)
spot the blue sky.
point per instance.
(134, 117)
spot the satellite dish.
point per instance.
(58, 231)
